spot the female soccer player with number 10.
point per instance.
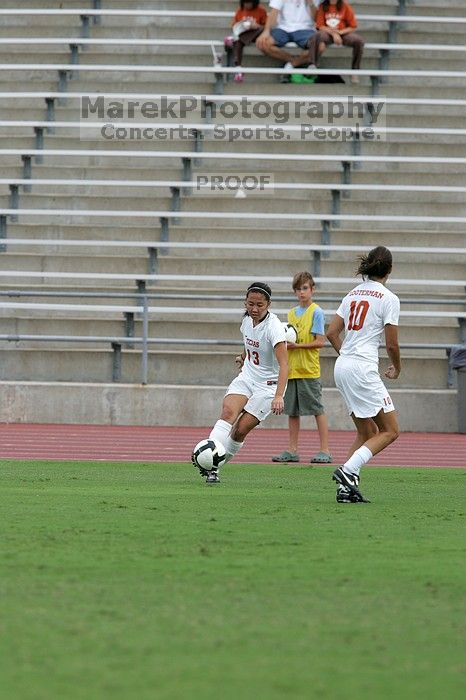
(366, 314)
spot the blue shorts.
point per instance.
(301, 37)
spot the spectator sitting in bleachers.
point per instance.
(288, 21)
(335, 22)
(247, 24)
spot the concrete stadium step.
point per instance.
(285, 173)
(311, 233)
(287, 267)
(136, 261)
(128, 404)
(108, 200)
(394, 115)
(274, 265)
(43, 26)
(377, 226)
(73, 231)
(434, 116)
(177, 366)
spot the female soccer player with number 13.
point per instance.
(259, 388)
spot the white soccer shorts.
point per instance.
(260, 396)
(362, 388)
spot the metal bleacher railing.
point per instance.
(142, 298)
(145, 311)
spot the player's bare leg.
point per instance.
(389, 431)
(366, 429)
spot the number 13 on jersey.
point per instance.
(253, 356)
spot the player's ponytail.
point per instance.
(377, 263)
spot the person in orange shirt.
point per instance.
(247, 24)
(336, 24)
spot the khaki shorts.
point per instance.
(303, 397)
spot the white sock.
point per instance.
(232, 447)
(357, 460)
(221, 431)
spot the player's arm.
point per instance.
(281, 354)
(393, 351)
(334, 332)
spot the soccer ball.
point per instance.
(291, 336)
(209, 454)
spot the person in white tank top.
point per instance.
(368, 314)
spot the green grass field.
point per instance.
(130, 581)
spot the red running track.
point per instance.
(158, 444)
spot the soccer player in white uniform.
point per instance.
(367, 314)
(259, 388)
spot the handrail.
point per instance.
(134, 340)
(441, 102)
(138, 214)
(203, 126)
(85, 41)
(217, 14)
(203, 245)
(200, 310)
(324, 186)
(161, 294)
(253, 70)
(154, 278)
(224, 155)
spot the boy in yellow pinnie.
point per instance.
(303, 396)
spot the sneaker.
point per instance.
(303, 79)
(212, 477)
(351, 482)
(286, 77)
(239, 77)
(286, 457)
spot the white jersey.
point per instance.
(260, 363)
(366, 310)
(294, 15)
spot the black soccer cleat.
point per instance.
(344, 495)
(350, 482)
(212, 477)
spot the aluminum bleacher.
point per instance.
(137, 218)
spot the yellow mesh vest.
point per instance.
(303, 364)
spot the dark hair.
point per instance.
(254, 3)
(326, 4)
(301, 278)
(377, 263)
(260, 287)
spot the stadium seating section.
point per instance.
(120, 228)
